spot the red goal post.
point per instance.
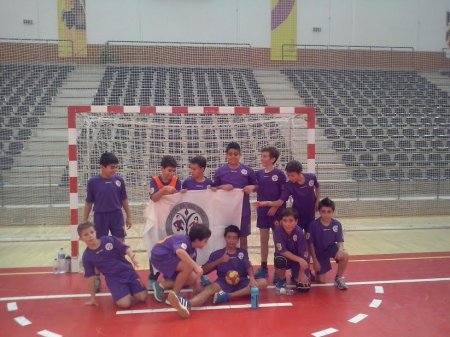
(308, 112)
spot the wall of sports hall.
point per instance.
(362, 65)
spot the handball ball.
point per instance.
(232, 277)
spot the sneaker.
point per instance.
(340, 283)
(180, 304)
(158, 291)
(275, 278)
(221, 297)
(204, 281)
(150, 284)
(261, 273)
(280, 286)
(97, 283)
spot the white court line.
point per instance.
(49, 297)
(47, 333)
(379, 290)
(12, 306)
(375, 303)
(324, 332)
(22, 320)
(358, 318)
(209, 307)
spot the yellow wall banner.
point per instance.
(284, 30)
(72, 28)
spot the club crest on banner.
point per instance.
(183, 216)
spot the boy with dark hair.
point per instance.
(238, 175)
(197, 180)
(327, 242)
(107, 254)
(234, 275)
(271, 182)
(167, 182)
(164, 184)
(291, 252)
(175, 258)
(106, 193)
(305, 192)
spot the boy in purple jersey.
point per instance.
(107, 194)
(175, 257)
(305, 192)
(197, 180)
(164, 184)
(167, 182)
(271, 182)
(230, 258)
(327, 242)
(107, 254)
(291, 252)
(239, 176)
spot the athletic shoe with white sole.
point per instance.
(180, 304)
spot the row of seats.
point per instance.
(397, 159)
(26, 91)
(398, 174)
(390, 145)
(383, 121)
(178, 86)
(386, 133)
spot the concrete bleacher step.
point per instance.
(276, 88)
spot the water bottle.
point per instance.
(254, 293)
(61, 261)
(68, 266)
(55, 266)
(285, 291)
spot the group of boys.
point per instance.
(298, 237)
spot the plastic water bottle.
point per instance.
(61, 261)
(68, 264)
(285, 291)
(55, 266)
(254, 293)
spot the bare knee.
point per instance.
(262, 283)
(124, 302)
(141, 296)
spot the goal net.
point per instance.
(141, 136)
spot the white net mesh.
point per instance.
(141, 140)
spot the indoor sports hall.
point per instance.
(357, 91)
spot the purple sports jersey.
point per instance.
(294, 242)
(239, 178)
(191, 184)
(324, 237)
(164, 254)
(109, 259)
(107, 195)
(304, 197)
(239, 262)
(270, 186)
(154, 186)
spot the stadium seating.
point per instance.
(142, 85)
(378, 118)
(26, 92)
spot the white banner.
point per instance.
(177, 213)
